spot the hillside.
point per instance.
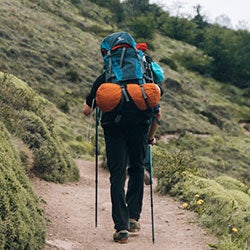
(51, 46)
(50, 53)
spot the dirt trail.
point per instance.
(70, 214)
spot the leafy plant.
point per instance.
(195, 61)
(171, 168)
(23, 113)
(22, 225)
(223, 203)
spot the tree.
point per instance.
(159, 15)
(143, 27)
(200, 21)
(242, 65)
(218, 44)
(179, 29)
(114, 6)
(136, 7)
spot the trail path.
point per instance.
(70, 214)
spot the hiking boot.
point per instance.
(134, 226)
(146, 178)
(121, 236)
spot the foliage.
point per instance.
(115, 7)
(142, 27)
(136, 7)
(51, 161)
(222, 203)
(23, 114)
(169, 62)
(216, 45)
(179, 29)
(195, 61)
(21, 222)
(215, 155)
(177, 163)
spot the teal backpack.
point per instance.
(123, 62)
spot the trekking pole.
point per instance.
(96, 165)
(151, 190)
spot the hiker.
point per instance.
(126, 134)
(154, 124)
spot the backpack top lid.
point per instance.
(115, 39)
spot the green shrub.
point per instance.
(143, 27)
(24, 115)
(21, 222)
(171, 63)
(171, 167)
(81, 148)
(195, 61)
(231, 184)
(223, 203)
(51, 161)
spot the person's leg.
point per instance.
(117, 161)
(136, 151)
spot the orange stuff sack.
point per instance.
(152, 92)
(108, 96)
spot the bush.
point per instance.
(171, 63)
(51, 161)
(21, 222)
(23, 114)
(171, 168)
(195, 61)
(223, 204)
(143, 27)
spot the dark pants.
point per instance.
(126, 144)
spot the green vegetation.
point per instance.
(50, 53)
(35, 147)
(22, 225)
(24, 114)
(222, 203)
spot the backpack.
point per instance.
(125, 77)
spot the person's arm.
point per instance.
(89, 105)
(153, 128)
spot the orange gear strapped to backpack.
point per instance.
(144, 101)
(109, 95)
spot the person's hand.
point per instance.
(152, 141)
(86, 109)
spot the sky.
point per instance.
(236, 10)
